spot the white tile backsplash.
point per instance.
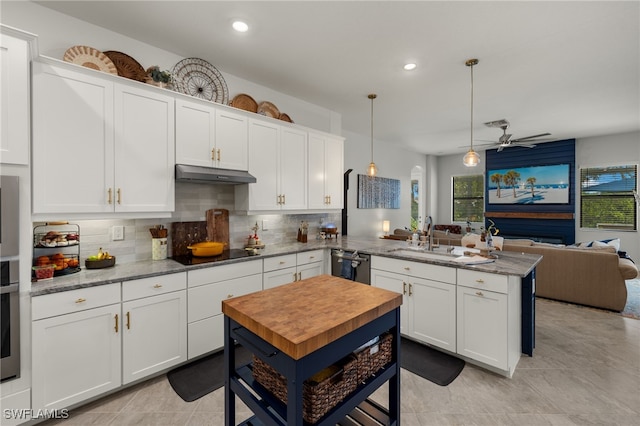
(192, 201)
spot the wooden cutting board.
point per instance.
(183, 234)
(218, 225)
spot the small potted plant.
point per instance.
(157, 77)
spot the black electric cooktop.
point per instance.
(225, 255)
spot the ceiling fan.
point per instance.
(505, 140)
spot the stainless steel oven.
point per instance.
(9, 278)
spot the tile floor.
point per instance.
(585, 371)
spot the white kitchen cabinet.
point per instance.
(76, 346)
(208, 287)
(100, 146)
(428, 313)
(144, 150)
(488, 319)
(154, 325)
(199, 143)
(16, 50)
(326, 164)
(232, 140)
(278, 160)
(285, 269)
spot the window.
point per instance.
(607, 197)
(468, 198)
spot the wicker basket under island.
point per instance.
(321, 346)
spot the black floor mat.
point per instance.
(198, 378)
(433, 365)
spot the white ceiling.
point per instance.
(568, 68)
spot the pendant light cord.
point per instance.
(372, 97)
(472, 105)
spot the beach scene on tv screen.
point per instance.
(529, 185)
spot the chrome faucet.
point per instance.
(429, 235)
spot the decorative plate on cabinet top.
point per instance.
(90, 58)
(197, 77)
(268, 109)
(245, 102)
(285, 117)
(127, 66)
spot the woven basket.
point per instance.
(321, 392)
(372, 358)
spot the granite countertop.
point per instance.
(507, 263)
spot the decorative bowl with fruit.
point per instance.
(101, 260)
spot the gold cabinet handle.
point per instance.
(299, 276)
(284, 200)
(119, 196)
(329, 197)
(109, 196)
(480, 281)
(219, 154)
(157, 286)
(128, 321)
(311, 257)
(410, 289)
(407, 268)
(229, 296)
(282, 262)
(279, 199)
(213, 154)
(404, 287)
(295, 276)
(479, 293)
(116, 327)
(81, 300)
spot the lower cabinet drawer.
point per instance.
(206, 300)
(483, 281)
(66, 302)
(205, 336)
(310, 256)
(152, 286)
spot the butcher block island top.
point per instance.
(303, 316)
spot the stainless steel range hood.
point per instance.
(199, 174)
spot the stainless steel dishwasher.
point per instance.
(351, 265)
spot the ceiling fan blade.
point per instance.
(497, 123)
(527, 145)
(531, 137)
(501, 147)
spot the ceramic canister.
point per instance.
(158, 248)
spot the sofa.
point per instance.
(586, 274)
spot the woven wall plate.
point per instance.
(268, 109)
(285, 117)
(197, 77)
(245, 102)
(90, 58)
(127, 66)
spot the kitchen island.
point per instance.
(299, 329)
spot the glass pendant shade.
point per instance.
(372, 170)
(471, 158)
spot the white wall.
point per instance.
(608, 151)
(392, 163)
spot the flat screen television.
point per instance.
(529, 185)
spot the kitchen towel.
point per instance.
(347, 271)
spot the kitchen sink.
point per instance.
(423, 254)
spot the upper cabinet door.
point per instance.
(334, 172)
(14, 100)
(232, 140)
(73, 167)
(195, 134)
(144, 150)
(317, 195)
(293, 168)
(263, 164)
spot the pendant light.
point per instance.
(471, 158)
(372, 170)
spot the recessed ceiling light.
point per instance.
(240, 26)
(410, 67)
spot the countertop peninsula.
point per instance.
(507, 263)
